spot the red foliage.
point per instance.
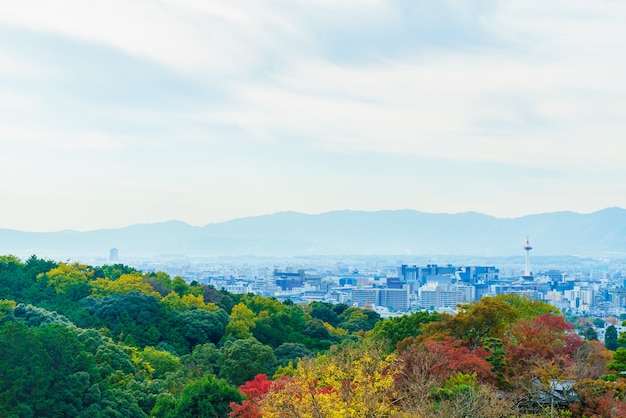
(597, 401)
(256, 387)
(253, 390)
(459, 358)
(547, 337)
(245, 410)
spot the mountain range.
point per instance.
(387, 232)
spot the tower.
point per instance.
(527, 248)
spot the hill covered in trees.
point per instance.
(110, 341)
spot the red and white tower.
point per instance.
(527, 248)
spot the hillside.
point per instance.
(111, 341)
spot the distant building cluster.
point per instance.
(397, 289)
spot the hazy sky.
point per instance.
(117, 112)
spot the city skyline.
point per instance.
(117, 113)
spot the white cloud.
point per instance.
(496, 87)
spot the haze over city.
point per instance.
(115, 112)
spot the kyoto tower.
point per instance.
(527, 248)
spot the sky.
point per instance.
(117, 112)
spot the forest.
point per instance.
(111, 341)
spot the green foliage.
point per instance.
(356, 319)
(204, 359)
(393, 330)
(610, 338)
(158, 362)
(290, 353)
(457, 384)
(618, 365)
(207, 397)
(244, 359)
(199, 326)
(489, 317)
(591, 334)
(48, 371)
(495, 348)
(34, 316)
(324, 312)
(135, 318)
(527, 307)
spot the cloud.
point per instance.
(316, 104)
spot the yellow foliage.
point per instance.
(241, 322)
(66, 275)
(6, 306)
(126, 283)
(350, 382)
(175, 302)
(198, 301)
(336, 332)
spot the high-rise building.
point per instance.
(114, 255)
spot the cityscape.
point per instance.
(391, 288)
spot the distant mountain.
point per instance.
(343, 232)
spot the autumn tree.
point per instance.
(488, 317)
(350, 381)
(395, 329)
(242, 321)
(539, 354)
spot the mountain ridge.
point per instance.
(342, 232)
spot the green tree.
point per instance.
(591, 334)
(610, 338)
(208, 397)
(618, 365)
(393, 330)
(527, 307)
(159, 362)
(291, 352)
(324, 312)
(244, 359)
(199, 326)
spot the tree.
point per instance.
(244, 359)
(199, 326)
(6, 308)
(253, 391)
(208, 397)
(158, 362)
(540, 353)
(489, 317)
(591, 334)
(610, 338)
(324, 312)
(393, 330)
(66, 275)
(527, 307)
(354, 380)
(124, 284)
(241, 322)
(291, 352)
